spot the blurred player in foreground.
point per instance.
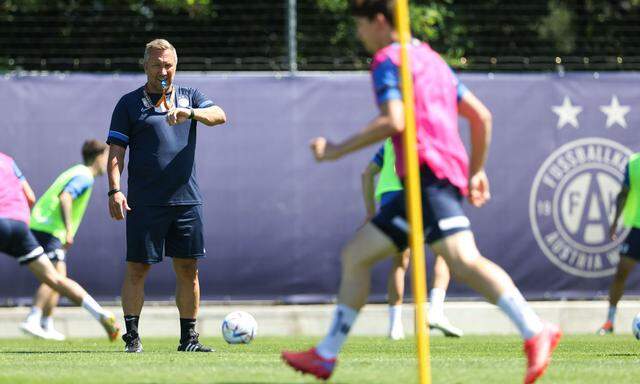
(388, 186)
(628, 201)
(446, 176)
(17, 240)
(54, 222)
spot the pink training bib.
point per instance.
(13, 202)
(436, 110)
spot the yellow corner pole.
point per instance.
(412, 188)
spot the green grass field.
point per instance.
(472, 359)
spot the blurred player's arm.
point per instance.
(481, 124)
(621, 200)
(66, 204)
(389, 122)
(368, 188)
(115, 165)
(26, 188)
(28, 193)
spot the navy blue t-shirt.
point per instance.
(161, 157)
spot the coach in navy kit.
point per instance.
(163, 206)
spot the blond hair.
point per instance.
(159, 44)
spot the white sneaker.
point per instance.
(53, 334)
(443, 324)
(33, 329)
(397, 333)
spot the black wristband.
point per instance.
(192, 114)
(113, 192)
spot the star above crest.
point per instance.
(567, 113)
(615, 113)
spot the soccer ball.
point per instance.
(239, 327)
(635, 326)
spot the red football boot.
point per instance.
(310, 362)
(539, 349)
(606, 329)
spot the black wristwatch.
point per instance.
(192, 114)
(113, 192)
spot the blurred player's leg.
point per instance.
(368, 246)
(39, 322)
(188, 303)
(32, 325)
(395, 293)
(46, 273)
(616, 290)
(51, 303)
(488, 279)
(132, 301)
(437, 319)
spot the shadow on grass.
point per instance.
(620, 355)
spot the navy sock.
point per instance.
(131, 322)
(187, 327)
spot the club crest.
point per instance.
(572, 204)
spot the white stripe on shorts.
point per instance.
(31, 255)
(453, 223)
(401, 224)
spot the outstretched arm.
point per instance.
(389, 122)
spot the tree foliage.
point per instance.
(465, 31)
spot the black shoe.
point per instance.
(133, 343)
(192, 344)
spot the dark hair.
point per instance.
(92, 149)
(370, 8)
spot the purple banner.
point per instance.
(275, 220)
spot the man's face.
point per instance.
(369, 33)
(161, 64)
(101, 161)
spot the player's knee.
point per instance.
(463, 265)
(351, 258)
(54, 281)
(621, 275)
(137, 272)
(187, 272)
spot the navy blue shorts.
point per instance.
(442, 212)
(157, 231)
(630, 247)
(388, 197)
(17, 240)
(52, 246)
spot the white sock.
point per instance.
(46, 322)
(515, 306)
(93, 307)
(395, 316)
(34, 316)
(612, 314)
(343, 319)
(436, 302)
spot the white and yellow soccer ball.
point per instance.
(239, 327)
(635, 326)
